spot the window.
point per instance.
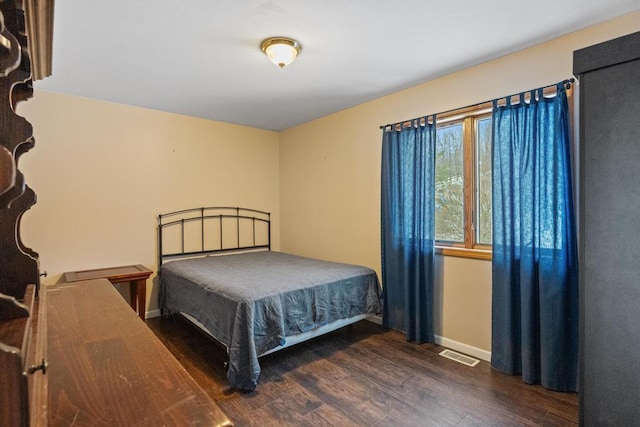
(463, 217)
(463, 183)
(450, 183)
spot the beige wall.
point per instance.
(330, 172)
(102, 173)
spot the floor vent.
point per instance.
(460, 358)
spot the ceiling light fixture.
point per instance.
(281, 50)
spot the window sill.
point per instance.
(464, 252)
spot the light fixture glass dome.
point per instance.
(281, 50)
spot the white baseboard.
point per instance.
(152, 313)
(464, 348)
(375, 319)
(449, 343)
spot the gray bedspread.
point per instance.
(251, 302)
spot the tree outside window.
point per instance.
(463, 184)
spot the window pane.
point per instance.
(449, 184)
(483, 178)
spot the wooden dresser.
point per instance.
(106, 367)
(23, 383)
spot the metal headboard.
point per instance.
(211, 215)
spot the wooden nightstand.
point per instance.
(135, 275)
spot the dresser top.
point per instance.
(107, 367)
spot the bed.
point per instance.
(217, 270)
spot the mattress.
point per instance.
(252, 302)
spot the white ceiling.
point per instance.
(202, 58)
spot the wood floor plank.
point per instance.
(459, 379)
(328, 416)
(347, 396)
(406, 404)
(366, 376)
(388, 372)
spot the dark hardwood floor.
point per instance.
(365, 376)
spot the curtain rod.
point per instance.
(566, 82)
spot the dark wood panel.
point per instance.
(107, 368)
(38, 381)
(18, 267)
(365, 376)
(15, 339)
(613, 52)
(609, 250)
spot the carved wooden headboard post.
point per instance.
(26, 44)
(19, 267)
(18, 264)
